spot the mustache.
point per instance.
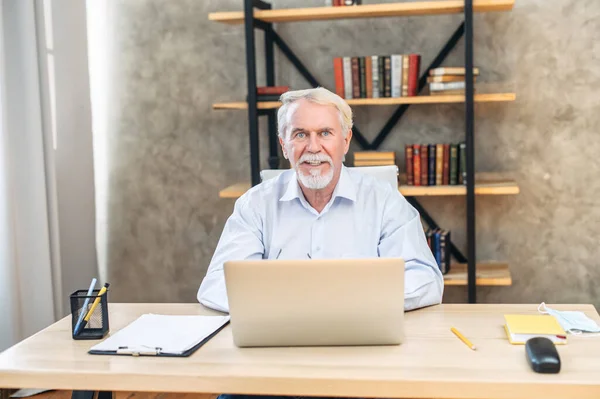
(314, 158)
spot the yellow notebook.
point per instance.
(519, 328)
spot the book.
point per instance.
(519, 328)
(462, 161)
(417, 164)
(444, 251)
(436, 247)
(424, 165)
(446, 165)
(447, 86)
(387, 62)
(414, 63)
(375, 76)
(362, 77)
(396, 75)
(381, 70)
(431, 167)
(161, 335)
(451, 71)
(408, 149)
(405, 65)
(374, 163)
(338, 74)
(374, 155)
(272, 90)
(355, 78)
(347, 77)
(268, 97)
(453, 164)
(448, 78)
(369, 76)
(439, 164)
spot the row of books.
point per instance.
(374, 158)
(448, 80)
(439, 243)
(377, 76)
(435, 164)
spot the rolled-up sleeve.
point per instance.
(241, 239)
(403, 236)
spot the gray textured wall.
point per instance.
(170, 153)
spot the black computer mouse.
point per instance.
(542, 355)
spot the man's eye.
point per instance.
(300, 135)
(325, 133)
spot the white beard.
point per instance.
(315, 180)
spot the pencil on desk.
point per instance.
(463, 338)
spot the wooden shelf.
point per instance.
(505, 187)
(487, 273)
(363, 11)
(483, 186)
(480, 98)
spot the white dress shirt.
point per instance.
(365, 218)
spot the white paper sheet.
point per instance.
(162, 333)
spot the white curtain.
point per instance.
(26, 285)
(47, 210)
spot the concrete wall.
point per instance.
(170, 154)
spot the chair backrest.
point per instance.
(388, 173)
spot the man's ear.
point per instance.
(347, 141)
(283, 150)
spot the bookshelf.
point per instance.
(258, 14)
(363, 11)
(479, 98)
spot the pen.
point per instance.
(463, 338)
(85, 305)
(96, 302)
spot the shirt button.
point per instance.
(318, 248)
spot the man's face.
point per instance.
(315, 144)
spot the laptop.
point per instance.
(315, 302)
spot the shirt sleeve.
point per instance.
(403, 236)
(241, 239)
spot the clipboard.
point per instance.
(162, 336)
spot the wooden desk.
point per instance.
(432, 363)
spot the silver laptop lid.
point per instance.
(316, 302)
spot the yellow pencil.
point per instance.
(463, 338)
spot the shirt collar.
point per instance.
(345, 188)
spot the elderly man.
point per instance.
(321, 209)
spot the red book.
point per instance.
(408, 149)
(338, 73)
(424, 165)
(414, 63)
(417, 164)
(272, 89)
(446, 168)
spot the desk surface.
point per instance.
(432, 363)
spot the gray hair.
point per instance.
(319, 95)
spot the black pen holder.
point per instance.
(96, 327)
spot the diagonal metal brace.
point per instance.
(287, 51)
(448, 47)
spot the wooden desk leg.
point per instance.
(91, 394)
